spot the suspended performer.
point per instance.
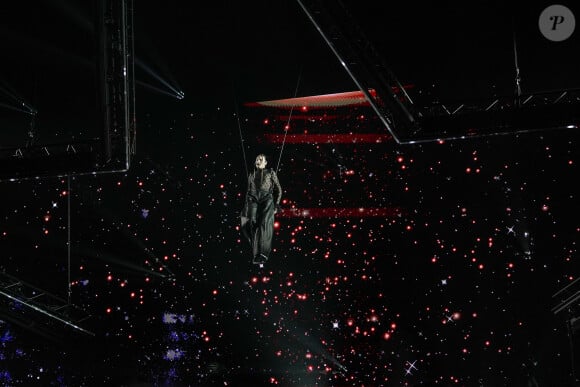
(262, 202)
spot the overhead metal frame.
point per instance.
(548, 111)
(567, 303)
(364, 65)
(30, 307)
(409, 123)
(117, 86)
(112, 150)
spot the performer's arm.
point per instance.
(277, 188)
(249, 188)
(250, 183)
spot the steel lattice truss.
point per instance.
(36, 309)
(410, 121)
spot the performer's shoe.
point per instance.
(260, 259)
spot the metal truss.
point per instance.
(567, 302)
(364, 65)
(410, 123)
(33, 162)
(507, 115)
(36, 309)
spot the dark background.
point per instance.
(459, 284)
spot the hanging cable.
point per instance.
(240, 131)
(518, 78)
(68, 237)
(288, 123)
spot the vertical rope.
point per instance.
(68, 238)
(518, 79)
(240, 131)
(134, 118)
(288, 123)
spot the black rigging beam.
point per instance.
(364, 64)
(37, 310)
(112, 147)
(116, 81)
(411, 122)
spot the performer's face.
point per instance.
(261, 162)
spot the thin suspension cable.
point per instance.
(240, 131)
(134, 117)
(518, 78)
(288, 123)
(68, 237)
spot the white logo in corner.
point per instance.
(557, 23)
